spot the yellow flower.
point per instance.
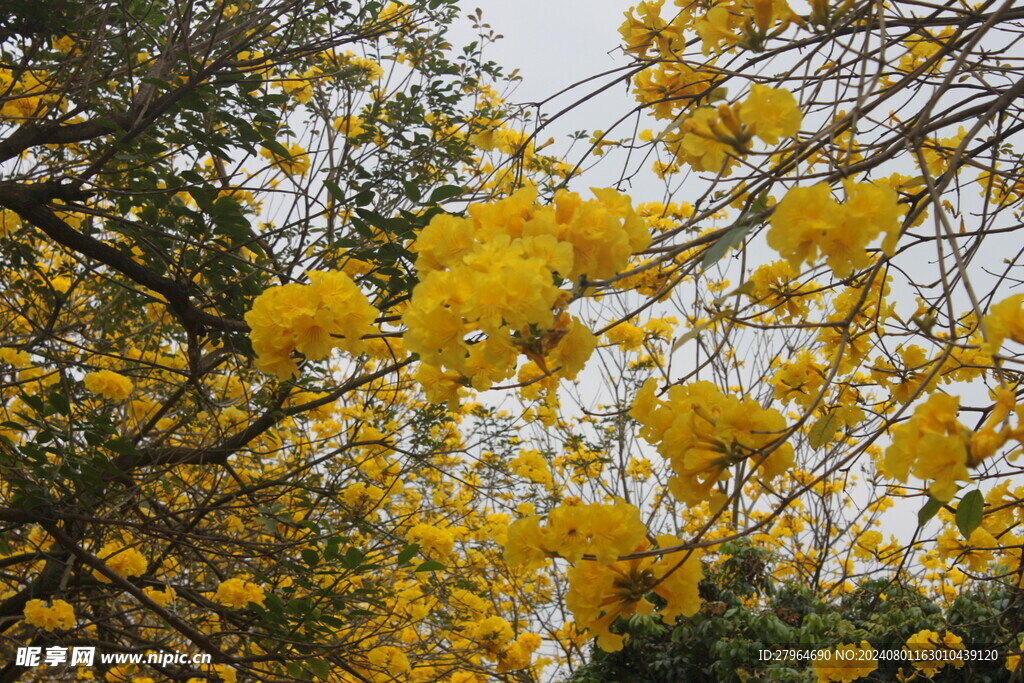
(568, 531)
(572, 352)
(924, 641)
(391, 660)
(1013, 659)
(495, 272)
(350, 126)
(517, 655)
(435, 541)
(717, 26)
(598, 594)
(771, 113)
(702, 145)
(10, 223)
(109, 385)
(800, 221)
(236, 593)
(162, 597)
(57, 616)
(646, 28)
(703, 432)
(572, 531)
(524, 543)
(932, 445)
(330, 313)
(295, 163)
(125, 561)
(808, 221)
(493, 632)
(846, 662)
(1005, 320)
(626, 335)
(15, 358)
(533, 466)
(678, 580)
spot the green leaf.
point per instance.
(928, 510)
(335, 191)
(690, 334)
(822, 431)
(331, 549)
(407, 553)
(412, 190)
(737, 233)
(970, 512)
(444, 192)
(733, 237)
(277, 148)
(430, 566)
(320, 668)
(353, 558)
(310, 556)
(121, 446)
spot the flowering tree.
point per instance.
(314, 363)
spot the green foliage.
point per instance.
(746, 615)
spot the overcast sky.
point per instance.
(555, 44)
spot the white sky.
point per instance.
(552, 42)
(555, 44)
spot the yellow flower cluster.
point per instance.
(300, 86)
(799, 380)
(671, 84)
(436, 542)
(10, 223)
(493, 633)
(1013, 658)
(770, 114)
(350, 126)
(391, 661)
(602, 589)
(295, 164)
(496, 272)
(627, 335)
(711, 139)
(600, 593)
(645, 28)
(719, 24)
(329, 313)
(28, 96)
(808, 221)
(236, 593)
(974, 552)
(360, 68)
(922, 46)
(934, 445)
(161, 596)
(572, 531)
(846, 663)
(58, 615)
(518, 653)
(1005, 320)
(923, 641)
(703, 432)
(775, 286)
(123, 560)
(533, 466)
(109, 385)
